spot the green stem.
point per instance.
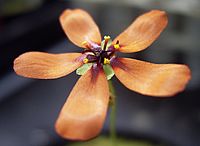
(113, 134)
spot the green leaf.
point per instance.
(108, 71)
(83, 69)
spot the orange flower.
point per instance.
(83, 114)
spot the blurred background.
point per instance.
(29, 108)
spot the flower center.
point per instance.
(100, 54)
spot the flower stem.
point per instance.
(113, 134)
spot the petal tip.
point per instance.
(70, 136)
(160, 13)
(16, 62)
(66, 12)
(63, 14)
(79, 26)
(185, 79)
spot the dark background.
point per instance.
(29, 108)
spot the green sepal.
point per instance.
(83, 69)
(108, 71)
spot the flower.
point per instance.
(83, 114)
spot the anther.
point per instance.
(85, 60)
(106, 38)
(116, 46)
(84, 43)
(106, 61)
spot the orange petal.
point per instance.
(79, 27)
(83, 114)
(46, 66)
(151, 79)
(142, 32)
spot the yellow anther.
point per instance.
(107, 37)
(84, 43)
(106, 61)
(116, 46)
(85, 60)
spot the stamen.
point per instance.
(85, 60)
(85, 44)
(116, 46)
(106, 38)
(99, 54)
(106, 61)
